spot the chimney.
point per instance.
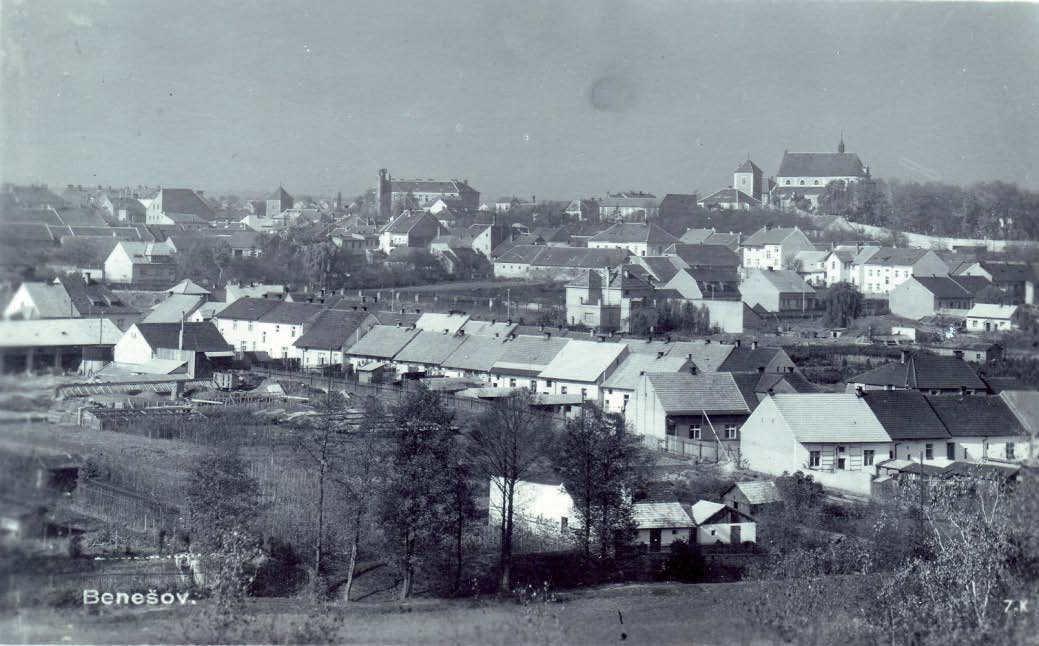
(660, 354)
(754, 344)
(958, 354)
(858, 391)
(667, 339)
(548, 335)
(602, 338)
(738, 343)
(761, 370)
(402, 310)
(693, 369)
(541, 328)
(706, 342)
(790, 369)
(180, 338)
(905, 357)
(398, 323)
(963, 391)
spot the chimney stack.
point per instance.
(904, 357)
(738, 343)
(754, 344)
(660, 354)
(761, 370)
(692, 368)
(858, 391)
(548, 335)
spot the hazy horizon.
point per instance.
(539, 98)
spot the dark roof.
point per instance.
(972, 284)
(660, 267)
(684, 393)
(185, 201)
(676, 204)
(976, 415)
(744, 359)
(943, 286)
(748, 167)
(765, 235)
(1005, 272)
(429, 186)
(247, 309)
(406, 222)
(895, 256)
(905, 414)
(627, 232)
(93, 299)
(821, 165)
(729, 196)
(704, 255)
(333, 329)
(198, 337)
(291, 313)
(923, 372)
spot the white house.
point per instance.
(619, 388)
(541, 505)
(833, 436)
(720, 524)
(143, 264)
(838, 265)
(639, 238)
(877, 271)
(163, 348)
(266, 325)
(989, 317)
(326, 338)
(774, 248)
(581, 367)
(658, 524)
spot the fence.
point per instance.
(115, 504)
(700, 450)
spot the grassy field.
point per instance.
(651, 614)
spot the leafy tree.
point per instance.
(223, 502)
(414, 508)
(508, 442)
(843, 304)
(799, 492)
(600, 463)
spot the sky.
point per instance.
(530, 98)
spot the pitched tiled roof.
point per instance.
(896, 257)
(942, 286)
(684, 393)
(529, 353)
(821, 165)
(748, 167)
(333, 329)
(406, 222)
(758, 492)
(438, 322)
(184, 201)
(198, 337)
(628, 373)
(677, 204)
(783, 280)
(972, 284)
(661, 267)
(976, 415)
(520, 254)
(923, 372)
(905, 414)
(291, 313)
(428, 186)
(51, 301)
(247, 309)
(188, 286)
(430, 348)
(992, 311)
(660, 515)
(764, 236)
(830, 417)
(476, 353)
(500, 329)
(383, 342)
(58, 332)
(1025, 406)
(584, 361)
(577, 257)
(708, 357)
(704, 510)
(695, 236)
(704, 255)
(1008, 272)
(628, 232)
(174, 308)
(729, 196)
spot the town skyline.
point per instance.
(520, 105)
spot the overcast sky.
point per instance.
(525, 97)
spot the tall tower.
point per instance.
(384, 193)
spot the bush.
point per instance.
(685, 563)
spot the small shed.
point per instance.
(658, 524)
(719, 524)
(751, 496)
(374, 372)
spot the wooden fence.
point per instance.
(698, 449)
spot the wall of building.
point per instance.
(667, 536)
(714, 534)
(768, 445)
(538, 507)
(132, 348)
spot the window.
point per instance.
(928, 451)
(584, 393)
(867, 457)
(562, 390)
(735, 504)
(1010, 450)
(625, 401)
(814, 458)
(841, 463)
(533, 385)
(730, 431)
(694, 431)
(512, 382)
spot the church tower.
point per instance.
(384, 194)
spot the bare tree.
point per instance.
(508, 442)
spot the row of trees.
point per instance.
(672, 316)
(984, 210)
(403, 487)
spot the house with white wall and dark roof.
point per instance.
(805, 175)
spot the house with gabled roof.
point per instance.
(658, 524)
(474, 357)
(983, 427)
(930, 374)
(411, 229)
(833, 436)
(877, 271)
(717, 523)
(194, 349)
(629, 205)
(380, 345)
(606, 299)
(69, 296)
(523, 360)
(179, 206)
(729, 199)
(638, 238)
(73, 344)
(146, 265)
(581, 367)
(325, 340)
(704, 255)
(777, 290)
(268, 327)
(675, 408)
(991, 317)
(921, 296)
(773, 248)
(751, 496)
(838, 264)
(619, 387)
(1015, 280)
(426, 351)
(677, 205)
